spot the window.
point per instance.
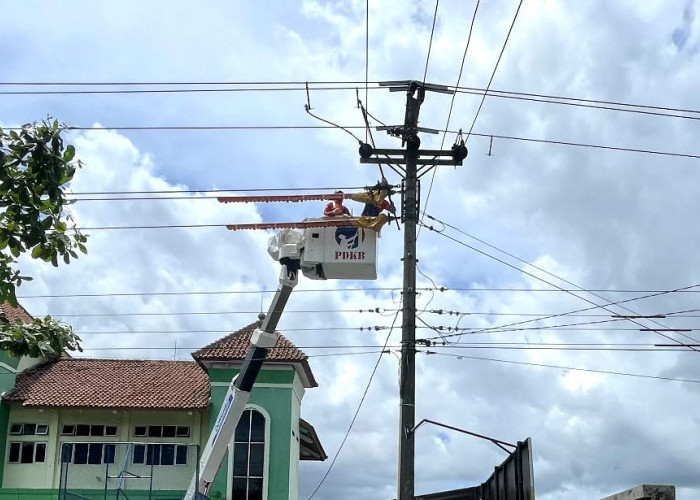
(29, 429)
(160, 454)
(27, 453)
(88, 453)
(84, 430)
(249, 457)
(162, 431)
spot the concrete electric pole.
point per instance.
(416, 166)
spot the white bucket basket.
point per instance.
(343, 252)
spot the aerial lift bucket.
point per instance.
(342, 252)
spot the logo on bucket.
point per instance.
(349, 238)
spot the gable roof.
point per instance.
(235, 347)
(113, 383)
(11, 313)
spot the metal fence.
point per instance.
(514, 478)
(128, 471)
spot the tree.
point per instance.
(36, 170)
(36, 167)
(43, 337)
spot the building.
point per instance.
(79, 428)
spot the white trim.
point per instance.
(298, 389)
(8, 367)
(226, 384)
(266, 467)
(237, 364)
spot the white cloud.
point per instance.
(598, 218)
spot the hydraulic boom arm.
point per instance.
(238, 393)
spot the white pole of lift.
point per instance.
(238, 393)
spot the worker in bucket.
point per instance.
(375, 203)
(336, 208)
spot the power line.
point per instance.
(183, 348)
(276, 348)
(549, 328)
(366, 328)
(649, 293)
(625, 308)
(217, 292)
(366, 60)
(173, 91)
(176, 83)
(558, 367)
(596, 346)
(357, 411)
(671, 112)
(596, 306)
(483, 98)
(585, 103)
(559, 347)
(452, 100)
(459, 331)
(350, 127)
(430, 43)
(587, 145)
(209, 191)
(376, 310)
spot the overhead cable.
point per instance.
(452, 100)
(541, 269)
(558, 367)
(585, 299)
(493, 74)
(357, 411)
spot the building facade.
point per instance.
(90, 428)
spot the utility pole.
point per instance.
(410, 196)
(407, 378)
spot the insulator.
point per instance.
(366, 151)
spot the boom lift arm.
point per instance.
(238, 394)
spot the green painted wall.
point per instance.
(264, 377)
(7, 382)
(277, 402)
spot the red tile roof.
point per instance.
(11, 313)
(235, 347)
(112, 383)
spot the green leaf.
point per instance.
(69, 153)
(35, 164)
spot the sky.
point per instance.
(525, 242)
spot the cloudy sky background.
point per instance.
(621, 223)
